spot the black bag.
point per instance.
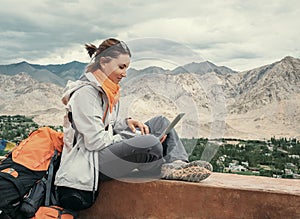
(34, 199)
(75, 199)
(16, 181)
(25, 193)
(42, 192)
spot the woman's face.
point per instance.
(116, 68)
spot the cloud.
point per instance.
(240, 34)
(38, 30)
(160, 52)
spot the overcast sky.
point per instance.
(235, 33)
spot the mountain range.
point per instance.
(56, 74)
(61, 73)
(259, 103)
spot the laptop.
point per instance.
(130, 134)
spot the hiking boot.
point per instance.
(191, 172)
(202, 163)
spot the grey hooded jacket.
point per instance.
(87, 103)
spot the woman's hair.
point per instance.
(108, 48)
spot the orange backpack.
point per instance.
(35, 152)
(26, 166)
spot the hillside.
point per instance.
(22, 95)
(267, 99)
(260, 103)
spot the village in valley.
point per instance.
(278, 158)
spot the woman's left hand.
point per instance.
(133, 124)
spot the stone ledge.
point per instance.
(220, 196)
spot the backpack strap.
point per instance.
(70, 117)
(50, 175)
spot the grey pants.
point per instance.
(144, 153)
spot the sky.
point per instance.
(239, 34)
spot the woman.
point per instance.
(95, 150)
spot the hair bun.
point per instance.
(91, 49)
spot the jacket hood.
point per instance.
(85, 79)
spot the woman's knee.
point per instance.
(146, 143)
(142, 149)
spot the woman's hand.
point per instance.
(133, 124)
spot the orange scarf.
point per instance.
(111, 89)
